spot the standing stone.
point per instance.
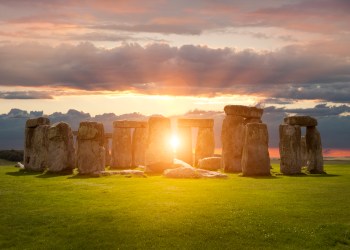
(314, 151)
(61, 154)
(232, 137)
(184, 152)
(303, 151)
(255, 158)
(139, 145)
(159, 154)
(36, 144)
(205, 144)
(121, 148)
(91, 151)
(290, 149)
(108, 154)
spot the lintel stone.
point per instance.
(130, 124)
(35, 122)
(306, 121)
(244, 111)
(200, 123)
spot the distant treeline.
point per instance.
(12, 155)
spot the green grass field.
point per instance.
(46, 211)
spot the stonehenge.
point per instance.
(147, 143)
(245, 141)
(205, 144)
(296, 150)
(90, 148)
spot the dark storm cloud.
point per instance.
(24, 95)
(294, 72)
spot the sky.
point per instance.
(168, 57)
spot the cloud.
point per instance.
(293, 72)
(24, 95)
(183, 17)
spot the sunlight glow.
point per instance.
(174, 142)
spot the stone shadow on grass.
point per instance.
(272, 177)
(311, 175)
(53, 175)
(23, 172)
(82, 176)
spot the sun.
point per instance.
(174, 142)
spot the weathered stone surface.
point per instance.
(159, 154)
(252, 120)
(255, 157)
(61, 153)
(303, 151)
(107, 152)
(232, 137)
(244, 111)
(126, 173)
(139, 145)
(290, 149)
(35, 122)
(200, 123)
(179, 163)
(192, 173)
(91, 131)
(36, 148)
(314, 151)
(130, 124)
(205, 144)
(90, 150)
(184, 151)
(307, 121)
(210, 163)
(121, 148)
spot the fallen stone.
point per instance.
(244, 111)
(232, 137)
(35, 122)
(159, 154)
(61, 152)
(314, 151)
(90, 149)
(210, 163)
(255, 157)
(19, 165)
(205, 144)
(290, 149)
(200, 123)
(307, 121)
(125, 172)
(184, 151)
(179, 163)
(192, 173)
(130, 124)
(121, 148)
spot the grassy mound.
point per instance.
(12, 155)
(47, 211)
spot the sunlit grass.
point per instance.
(46, 211)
